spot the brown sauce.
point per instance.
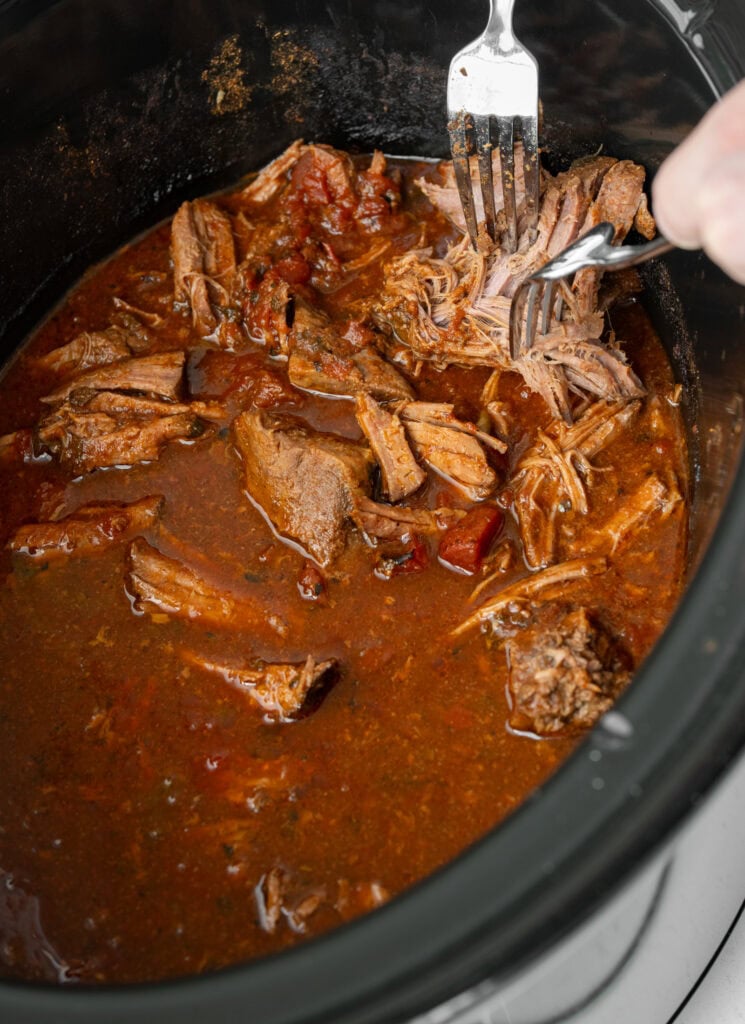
(146, 805)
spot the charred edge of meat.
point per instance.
(565, 671)
(291, 691)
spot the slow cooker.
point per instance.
(601, 898)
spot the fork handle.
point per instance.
(499, 27)
(630, 255)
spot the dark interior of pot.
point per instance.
(115, 112)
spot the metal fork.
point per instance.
(495, 78)
(593, 249)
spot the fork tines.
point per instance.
(532, 293)
(477, 134)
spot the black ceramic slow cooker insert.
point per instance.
(110, 117)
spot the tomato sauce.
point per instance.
(148, 809)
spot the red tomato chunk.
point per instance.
(464, 545)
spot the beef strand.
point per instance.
(401, 474)
(92, 528)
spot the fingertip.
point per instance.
(676, 219)
(722, 206)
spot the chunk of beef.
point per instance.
(275, 175)
(153, 375)
(203, 252)
(454, 454)
(401, 474)
(288, 691)
(323, 181)
(564, 672)
(379, 194)
(155, 581)
(307, 483)
(90, 529)
(83, 440)
(321, 360)
(87, 350)
(331, 192)
(394, 522)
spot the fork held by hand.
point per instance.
(593, 249)
(495, 79)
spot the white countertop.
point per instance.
(720, 998)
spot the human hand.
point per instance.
(698, 195)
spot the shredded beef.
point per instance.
(455, 309)
(203, 252)
(553, 477)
